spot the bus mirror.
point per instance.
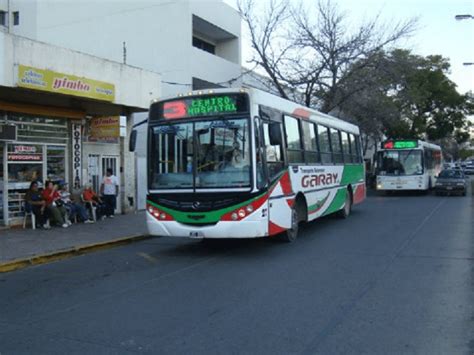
(133, 141)
(274, 132)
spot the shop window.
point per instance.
(56, 163)
(16, 18)
(40, 129)
(336, 146)
(324, 145)
(293, 140)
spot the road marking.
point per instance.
(148, 257)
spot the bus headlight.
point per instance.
(249, 208)
(241, 213)
(234, 216)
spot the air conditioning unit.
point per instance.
(8, 132)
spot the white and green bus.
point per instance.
(407, 164)
(242, 163)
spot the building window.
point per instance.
(205, 46)
(16, 18)
(3, 18)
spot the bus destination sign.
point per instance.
(209, 105)
(401, 144)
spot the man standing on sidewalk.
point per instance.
(109, 190)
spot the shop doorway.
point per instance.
(97, 167)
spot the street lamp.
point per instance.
(463, 17)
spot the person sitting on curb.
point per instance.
(54, 205)
(93, 200)
(74, 209)
(37, 205)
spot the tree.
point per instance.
(410, 96)
(313, 51)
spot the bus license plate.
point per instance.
(196, 234)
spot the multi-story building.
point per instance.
(193, 44)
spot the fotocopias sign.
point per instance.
(50, 81)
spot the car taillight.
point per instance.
(158, 214)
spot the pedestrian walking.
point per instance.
(109, 190)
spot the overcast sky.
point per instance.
(439, 32)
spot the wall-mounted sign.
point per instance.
(76, 155)
(47, 80)
(20, 152)
(25, 157)
(104, 129)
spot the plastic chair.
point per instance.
(90, 206)
(29, 213)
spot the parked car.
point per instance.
(469, 169)
(451, 181)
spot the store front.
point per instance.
(40, 153)
(71, 114)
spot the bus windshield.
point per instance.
(200, 154)
(400, 162)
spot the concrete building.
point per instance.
(60, 119)
(194, 44)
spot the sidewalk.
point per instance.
(23, 247)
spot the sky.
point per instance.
(438, 31)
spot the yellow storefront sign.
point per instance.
(47, 80)
(105, 127)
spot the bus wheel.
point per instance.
(291, 234)
(346, 210)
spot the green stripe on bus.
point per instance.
(337, 202)
(318, 205)
(201, 217)
(211, 216)
(352, 174)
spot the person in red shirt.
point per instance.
(54, 206)
(92, 199)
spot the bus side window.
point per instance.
(310, 142)
(354, 153)
(358, 149)
(293, 140)
(259, 147)
(346, 148)
(336, 146)
(274, 154)
(324, 146)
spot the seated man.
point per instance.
(91, 199)
(74, 208)
(36, 204)
(54, 205)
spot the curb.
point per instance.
(21, 263)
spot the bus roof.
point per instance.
(288, 107)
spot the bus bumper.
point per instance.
(222, 229)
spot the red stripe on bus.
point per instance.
(301, 112)
(274, 229)
(286, 184)
(359, 194)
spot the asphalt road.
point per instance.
(396, 277)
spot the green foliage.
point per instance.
(419, 100)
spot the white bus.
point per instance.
(242, 163)
(407, 165)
